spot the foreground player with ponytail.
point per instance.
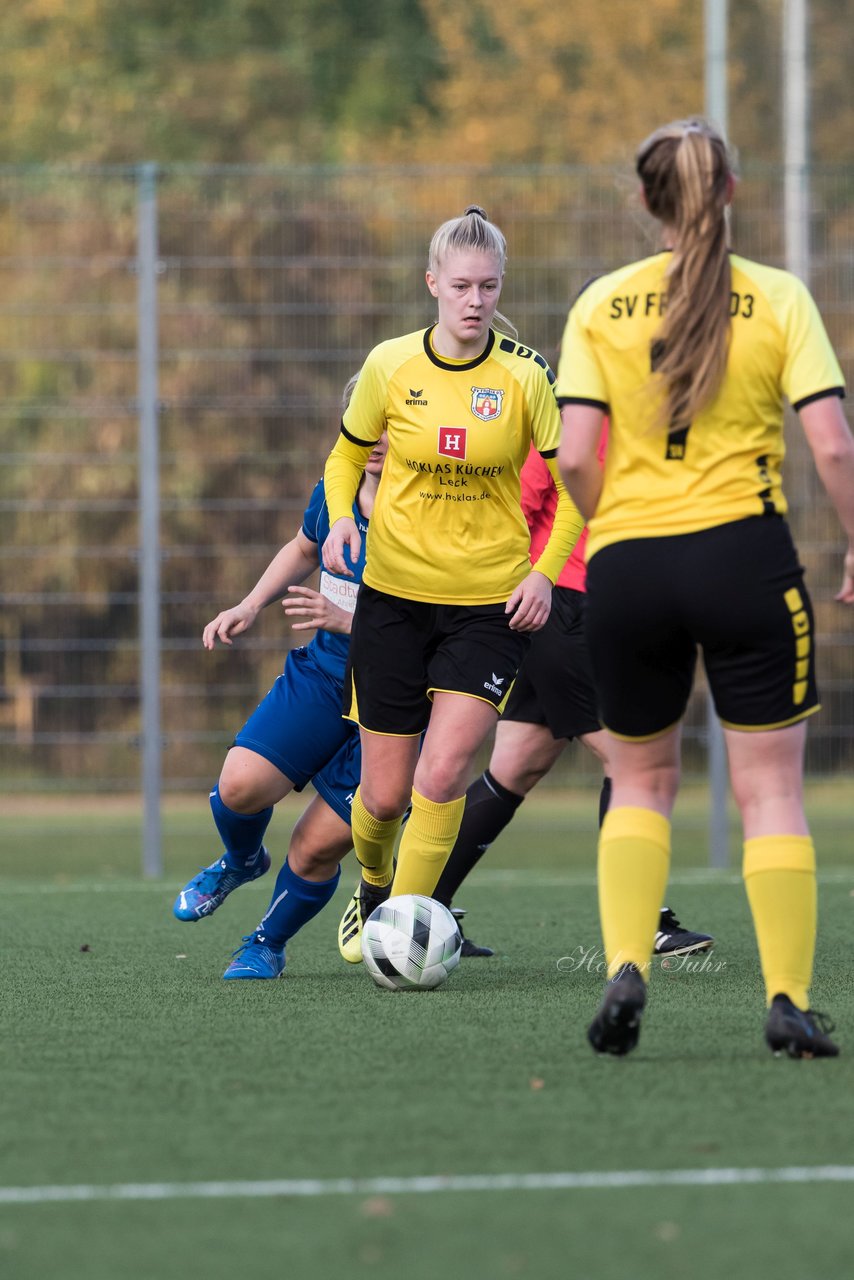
(691, 352)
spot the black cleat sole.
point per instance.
(616, 1028)
(471, 949)
(799, 1033)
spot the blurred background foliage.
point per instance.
(360, 127)
(428, 81)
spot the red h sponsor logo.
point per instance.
(452, 442)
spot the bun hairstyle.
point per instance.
(472, 231)
(687, 174)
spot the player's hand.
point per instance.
(231, 622)
(342, 534)
(845, 595)
(313, 611)
(531, 603)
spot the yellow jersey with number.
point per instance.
(447, 525)
(726, 465)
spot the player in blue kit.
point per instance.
(296, 735)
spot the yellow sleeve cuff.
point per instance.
(342, 476)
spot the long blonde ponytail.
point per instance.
(687, 180)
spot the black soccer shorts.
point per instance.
(554, 686)
(403, 651)
(737, 592)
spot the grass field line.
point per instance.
(486, 879)
(428, 1185)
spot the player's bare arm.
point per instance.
(577, 456)
(832, 445)
(292, 564)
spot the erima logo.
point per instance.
(495, 687)
(416, 396)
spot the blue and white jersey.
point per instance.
(328, 648)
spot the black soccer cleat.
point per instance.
(468, 948)
(616, 1027)
(801, 1033)
(672, 940)
(365, 900)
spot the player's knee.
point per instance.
(444, 780)
(385, 808)
(240, 791)
(660, 782)
(308, 859)
(668, 784)
(518, 778)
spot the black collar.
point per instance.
(455, 366)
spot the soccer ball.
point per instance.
(410, 943)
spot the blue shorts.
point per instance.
(299, 728)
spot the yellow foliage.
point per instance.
(536, 82)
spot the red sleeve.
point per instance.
(538, 494)
(539, 499)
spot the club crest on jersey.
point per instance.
(486, 403)
(452, 442)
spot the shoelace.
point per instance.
(822, 1021)
(248, 940)
(214, 879)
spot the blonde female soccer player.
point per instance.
(692, 352)
(449, 597)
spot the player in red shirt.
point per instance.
(552, 702)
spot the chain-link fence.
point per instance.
(270, 287)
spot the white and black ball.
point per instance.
(411, 943)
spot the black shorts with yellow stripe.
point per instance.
(403, 651)
(737, 592)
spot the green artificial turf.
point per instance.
(126, 1059)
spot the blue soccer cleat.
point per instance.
(257, 958)
(210, 888)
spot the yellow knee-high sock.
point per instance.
(634, 859)
(426, 844)
(373, 841)
(779, 875)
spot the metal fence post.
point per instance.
(716, 65)
(717, 111)
(796, 191)
(149, 517)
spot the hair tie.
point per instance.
(475, 208)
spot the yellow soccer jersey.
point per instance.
(727, 464)
(447, 525)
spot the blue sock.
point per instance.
(295, 901)
(242, 833)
